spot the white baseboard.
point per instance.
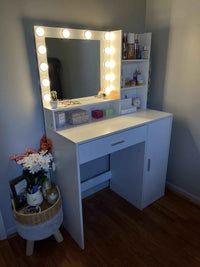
(183, 192)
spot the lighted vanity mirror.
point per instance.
(94, 57)
(74, 67)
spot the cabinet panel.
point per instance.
(157, 150)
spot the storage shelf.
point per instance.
(133, 87)
(134, 60)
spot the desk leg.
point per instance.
(58, 236)
(29, 247)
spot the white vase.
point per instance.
(35, 199)
(53, 104)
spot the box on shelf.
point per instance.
(78, 116)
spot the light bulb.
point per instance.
(47, 97)
(107, 77)
(107, 50)
(107, 36)
(88, 34)
(44, 66)
(40, 31)
(112, 76)
(66, 33)
(107, 64)
(107, 90)
(112, 64)
(45, 82)
(112, 50)
(42, 49)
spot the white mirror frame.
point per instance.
(109, 42)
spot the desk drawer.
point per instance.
(112, 143)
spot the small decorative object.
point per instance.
(145, 53)
(136, 102)
(113, 95)
(35, 166)
(107, 112)
(101, 94)
(97, 114)
(18, 188)
(60, 119)
(54, 99)
(46, 185)
(52, 195)
(31, 210)
(78, 116)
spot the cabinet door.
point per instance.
(157, 150)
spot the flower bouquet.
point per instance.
(35, 168)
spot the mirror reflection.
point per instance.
(74, 67)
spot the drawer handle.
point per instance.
(117, 143)
(149, 165)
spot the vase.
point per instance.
(53, 104)
(35, 199)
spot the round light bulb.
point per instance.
(40, 31)
(112, 50)
(112, 64)
(47, 97)
(107, 36)
(42, 49)
(107, 50)
(107, 77)
(66, 33)
(107, 64)
(45, 82)
(88, 34)
(111, 76)
(44, 66)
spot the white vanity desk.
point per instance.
(138, 145)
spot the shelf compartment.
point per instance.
(92, 182)
(133, 87)
(126, 61)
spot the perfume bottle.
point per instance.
(130, 50)
(124, 46)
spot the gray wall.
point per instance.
(21, 110)
(175, 85)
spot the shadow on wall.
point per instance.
(159, 54)
(184, 159)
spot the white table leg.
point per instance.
(58, 236)
(29, 247)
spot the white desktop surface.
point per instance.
(90, 131)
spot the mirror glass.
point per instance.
(74, 67)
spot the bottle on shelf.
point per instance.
(136, 47)
(124, 46)
(130, 49)
(145, 53)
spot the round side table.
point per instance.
(38, 226)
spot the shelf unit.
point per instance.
(128, 68)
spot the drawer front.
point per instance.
(112, 143)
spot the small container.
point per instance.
(78, 116)
(46, 185)
(140, 82)
(97, 114)
(52, 195)
(54, 104)
(136, 47)
(130, 50)
(35, 199)
(145, 53)
(60, 119)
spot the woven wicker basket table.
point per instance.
(38, 226)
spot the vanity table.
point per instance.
(133, 147)
(138, 146)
